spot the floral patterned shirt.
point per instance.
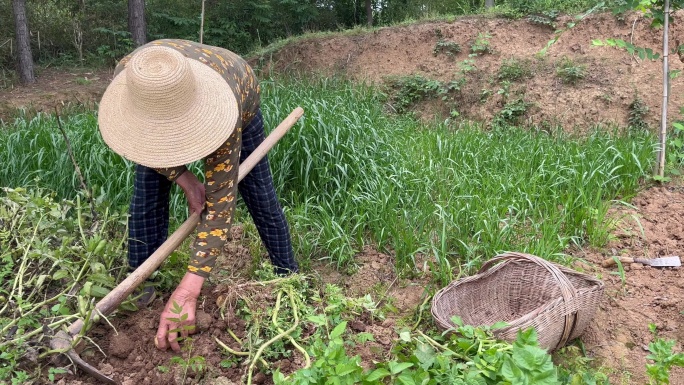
(221, 167)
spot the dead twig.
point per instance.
(84, 186)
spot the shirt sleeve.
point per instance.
(172, 173)
(221, 174)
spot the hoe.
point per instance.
(64, 340)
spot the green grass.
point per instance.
(350, 175)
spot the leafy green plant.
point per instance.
(663, 357)
(179, 319)
(412, 89)
(512, 112)
(620, 272)
(643, 53)
(546, 18)
(481, 44)
(638, 110)
(575, 368)
(83, 81)
(53, 372)
(450, 48)
(515, 69)
(675, 146)
(571, 72)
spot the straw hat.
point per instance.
(165, 110)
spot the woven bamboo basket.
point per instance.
(524, 291)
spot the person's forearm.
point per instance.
(192, 283)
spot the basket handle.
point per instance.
(566, 287)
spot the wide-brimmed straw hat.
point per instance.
(165, 110)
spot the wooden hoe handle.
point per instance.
(611, 262)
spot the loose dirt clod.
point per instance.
(120, 345)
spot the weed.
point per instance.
(512, 112)
(675, 146)
(414, 88)
(194, 364)
(179, 319)
(481, 45)
(620, 272)
(638, 110)
(53, 372)
(576, 368)
(485, 94)
(545, 18)
(515, 69)
(505, 89)
(83, 81)
(571, 72)
(663, 358)
(450, 48)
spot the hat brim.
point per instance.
(179, 139)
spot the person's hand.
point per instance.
(194, 191)
(178, 318)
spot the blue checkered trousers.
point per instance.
(148, 224)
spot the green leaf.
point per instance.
(598, 42)
(59, 274)
(425, 354)
(319, 320)
(338, 330)
(406, 379)
(98, 291)
(378, 374)
(405, 336)
(345, 369)
(398, 367)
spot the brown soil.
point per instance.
(619, 333)
(129, 356)
(55, 88)
(604, 96)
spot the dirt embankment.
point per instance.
(612, 77)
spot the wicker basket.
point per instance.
(523, 291)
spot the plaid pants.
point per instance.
(149, 210)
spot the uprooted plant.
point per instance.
(56, 263)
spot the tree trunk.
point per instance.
(489, 3)
(23, 42)
(369, 14)
(136, 22)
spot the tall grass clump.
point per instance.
(35, 154)
(350, 175)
